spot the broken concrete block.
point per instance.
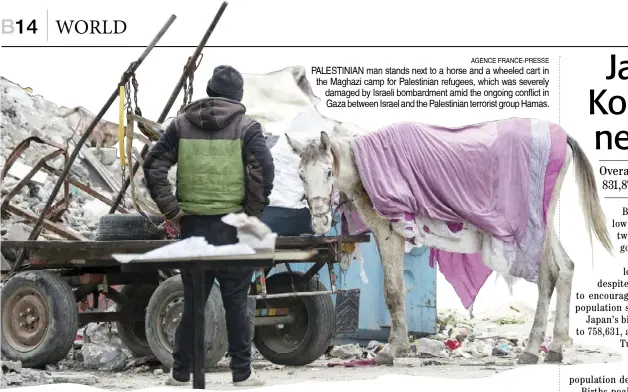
(11, 366)
(430, 347)
(94, 209)
(20, 170)
(13, 378)
(346, 351)
(106, 155)
(74, 378)
(33, 376)
(18, 232)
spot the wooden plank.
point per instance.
(98, 253)
(56, 228)
(299, 242)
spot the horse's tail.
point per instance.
(591, 208)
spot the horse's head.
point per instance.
(318, 170)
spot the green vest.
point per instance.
(210, 172)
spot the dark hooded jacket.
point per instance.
(223, 162)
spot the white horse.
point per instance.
(328, 162)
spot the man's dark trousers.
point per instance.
(234, 286)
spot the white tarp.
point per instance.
(283, 102)
(187, 248)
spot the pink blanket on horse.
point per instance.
(499, 176)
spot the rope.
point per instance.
(140, 203)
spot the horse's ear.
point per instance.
(325, 141)
(297, 147)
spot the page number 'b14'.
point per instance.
(21, 26)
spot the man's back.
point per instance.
(210, 175)
(224, 164)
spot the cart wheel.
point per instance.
(39, 318)
(122, 227)
(133, 333)
(164, 313)
(304, 341)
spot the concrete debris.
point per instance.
(11, 366)
(33, 376)
(108, 155)
(374, 345)
(18, 232)
(431, 362)
(429, 347)
(101, 333)
(74, 378)
(94, 209)
(347, 351)
(510, 320)
(15, 375)
(478, 349)
(23, 115)
(273, 367)
(13, 378)
(142, 362)
(142, 369)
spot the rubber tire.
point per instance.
(139, 295)
(62, 319)
(216, 343)
(321, 313)
(126, 227)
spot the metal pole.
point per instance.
(198, 327)
(68, 165)
(175, 93)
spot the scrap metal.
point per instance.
(54, 214)
(70, 161)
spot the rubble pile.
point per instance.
(24, 115)
(456, 338)
(97, 348)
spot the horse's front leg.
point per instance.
(391, 250)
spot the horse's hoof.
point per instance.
(526, 358)
(402, 350)
(553, 357)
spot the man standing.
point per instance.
(224, 166)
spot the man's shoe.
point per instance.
(252, 381)
(172, 381)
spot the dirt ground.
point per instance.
(219, 378)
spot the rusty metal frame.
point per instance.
(57, 210)
(40, 221)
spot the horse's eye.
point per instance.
(328, 173)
